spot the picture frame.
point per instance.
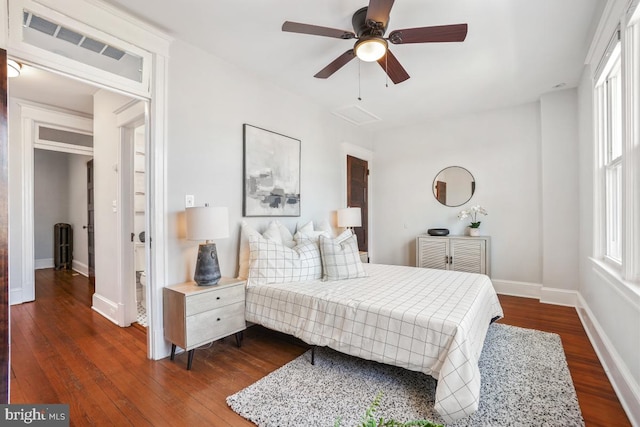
(271, 173)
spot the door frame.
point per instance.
(367, 155)
(128, 118)
(98, 19)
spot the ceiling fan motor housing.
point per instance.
(363, 28)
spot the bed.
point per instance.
(431, 321)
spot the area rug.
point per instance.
(525, 382)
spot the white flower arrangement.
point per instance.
(473, 214)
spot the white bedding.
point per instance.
(431, 321)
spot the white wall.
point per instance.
(209, 102)
(51, 202)
(501, 149)
(559, 143)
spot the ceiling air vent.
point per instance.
(54, 30)
(356, 115)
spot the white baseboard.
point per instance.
(80, 267)
(535, 290)
(517, 289)
(559, 297)
(105, 307)
(626, 388)
(15, 297)
(43, 263)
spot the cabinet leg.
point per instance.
(190, 360)
(173, 351)
(239, 337)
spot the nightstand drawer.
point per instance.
(215, 324)
(215, 299)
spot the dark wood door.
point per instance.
(4, 230)
(90, 221)
(357, 196)
(441, 192)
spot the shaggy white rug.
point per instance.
(525, 382)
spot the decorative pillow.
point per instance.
(278, 233)
(307, 231)
(340, 257)
(270, 262)
(275, 232)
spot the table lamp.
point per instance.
(349, 218)
(207, 223)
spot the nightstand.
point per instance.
(364, 256)
(196, 315)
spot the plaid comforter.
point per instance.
(431, 321)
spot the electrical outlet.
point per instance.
(189, 201)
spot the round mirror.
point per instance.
(454, 186)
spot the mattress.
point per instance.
(425, 320)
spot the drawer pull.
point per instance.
(218, 319)
(217, 297)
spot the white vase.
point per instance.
(474, 232)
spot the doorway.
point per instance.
(150, 49)
(100, 111)
(358, 196)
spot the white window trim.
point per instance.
(601, 157)
(631, 147)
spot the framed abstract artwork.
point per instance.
(271, 173)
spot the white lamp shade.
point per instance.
(13, 68)
(349, 217)
(370, 49)
(207, 223)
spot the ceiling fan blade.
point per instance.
(314, 30)
(337, 63)
(379, 10)
(392, 67)
(437, 34)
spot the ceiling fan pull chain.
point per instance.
(386, 69)
(359, 82)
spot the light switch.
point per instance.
(189, 201)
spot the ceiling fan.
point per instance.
(370, 24)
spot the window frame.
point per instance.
(609, 121)
(627, 267)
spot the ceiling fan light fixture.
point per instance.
(13, 68)
(370, 49)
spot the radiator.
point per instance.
(62, 246)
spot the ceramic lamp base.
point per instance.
(207, 269)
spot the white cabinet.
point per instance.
(459, 253)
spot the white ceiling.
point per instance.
(44, 87)
(515, 50)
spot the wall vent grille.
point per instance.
(54, 30)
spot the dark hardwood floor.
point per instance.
(64, 352)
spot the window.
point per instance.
(610, 135)
(617, 120)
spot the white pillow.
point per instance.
(307, 231)
(271, 262)
(275, 232)
(340, 257)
